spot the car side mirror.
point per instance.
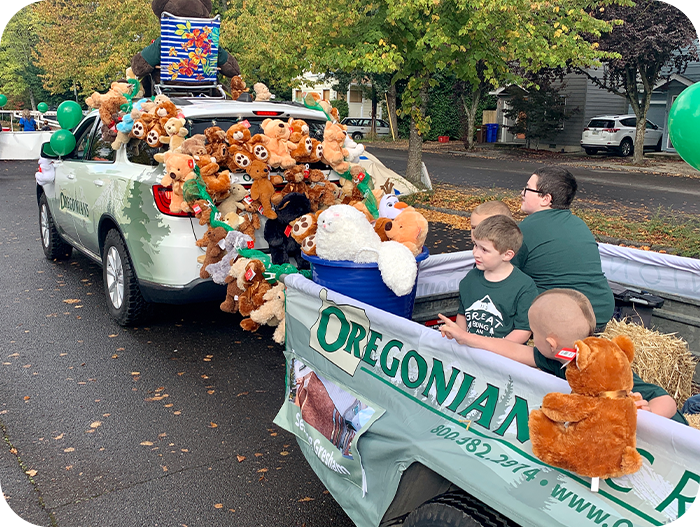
(47, 152)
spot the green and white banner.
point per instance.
(369, 394)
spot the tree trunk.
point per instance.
(414, 167)
(470, 109)
(373, 129)
(32, 100)
(391, 110)
(640, 109)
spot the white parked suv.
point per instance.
(110, 206)
(361, 127)
(616, 133)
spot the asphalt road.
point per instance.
(141, 426)
(610, 187)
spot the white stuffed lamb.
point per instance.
(46, 173)
(345, 234)
(355, 150)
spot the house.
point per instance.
(580, 92)
(358, 105)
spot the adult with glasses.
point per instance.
(559, 250)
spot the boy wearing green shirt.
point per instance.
(495, 296)
(558, 318)
(559, 250)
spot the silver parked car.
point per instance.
(361, 127)
(110, 206)
(616, 133)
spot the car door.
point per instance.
(70, 203)
(383, 127)
(652, 134)
(101, 188)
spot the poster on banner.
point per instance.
(459, 412)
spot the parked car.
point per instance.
(110, 206)
(616, 133)
(359, 128)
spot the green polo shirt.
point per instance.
(559, 251)
(647, 390)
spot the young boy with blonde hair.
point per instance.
(495, 296)
(558, 318)
(488, 209)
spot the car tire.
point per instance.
(591, 151)
(657, 148)
(55, 248)
(456, 509)
(626, 147)
(125, 302)
(356, 136)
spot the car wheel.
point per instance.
(455, 509)
(591, 151)
(357, 136)
(626, 147)
(124, 300)
(657, 148)
(52, 243)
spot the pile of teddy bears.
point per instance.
(286, 196)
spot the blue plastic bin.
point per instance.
(363, 282)
(491, 132)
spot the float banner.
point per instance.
(461, 412)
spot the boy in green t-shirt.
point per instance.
(558, 318)
(495, 296)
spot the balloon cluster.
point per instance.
(684, 124)
(68, 114)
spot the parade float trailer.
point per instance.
(402, 425)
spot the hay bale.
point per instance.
(661, 359)
(693, 420)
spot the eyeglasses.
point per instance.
(526, 189)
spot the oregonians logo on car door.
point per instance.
(74, 205)
(340, 334)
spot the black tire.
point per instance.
(591, 151)
(356, 136)
(124, 300)
(456, 509)
(657, 148)
(626, 147)
(55, 248)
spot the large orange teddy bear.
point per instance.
(409, 228)
(276, 140)
(592, 430)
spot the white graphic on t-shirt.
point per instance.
(483, 317)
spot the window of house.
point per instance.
(355, 95)
(326, 95)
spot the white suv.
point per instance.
(616, 133)
(360, 127)
(110, 206)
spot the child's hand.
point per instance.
(451, 330)
(640, 402)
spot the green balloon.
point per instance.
(42, 107)
(3, 101)
(684, 124)
(62, 142)
(69, 114)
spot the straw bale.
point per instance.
(661, 359)
(693, 420)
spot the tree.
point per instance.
(540, 111)
(655, 41)
(87, 44)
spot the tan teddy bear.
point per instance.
(276, 140)
(176, 132)
(334, 153)
(271, 312)
(233, 292)
(262, 188)
(178, 169)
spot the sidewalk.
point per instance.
(655, 162)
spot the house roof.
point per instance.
(664, 83)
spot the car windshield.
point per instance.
(601, 123)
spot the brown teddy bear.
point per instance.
(295, 181)
(592, 430)
(323, 195)
(299, 130)
(165, 110)
(214, 253)
(256, 146)
(238, 87)
(271, 312)
(276, 140)
(315, 154)
(154, 134)
(178, 169)
(304, 232)
(238, 135)
(240, 160)
(251, 223)
(254, 287)
(334, 153)
(409, 228)
(262, 188)
(233, 292)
